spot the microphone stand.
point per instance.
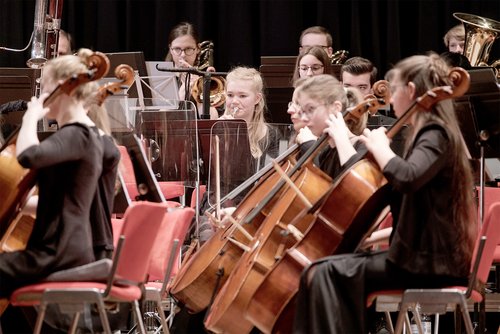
(207, 77)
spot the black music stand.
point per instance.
(478, 112)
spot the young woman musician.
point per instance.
(432, 197)
(245, 100)
(318, 98)
(184, 51)
(68, 165)
(102, 205)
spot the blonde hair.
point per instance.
(63, 67)
(327, 89)
(257, 128)
(457, 32)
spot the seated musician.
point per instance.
(317, 98)
(431, 197)
(360, 73)
(245, 100)
(68, 165)
(184, 51)
(316, 36)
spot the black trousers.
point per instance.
(333, 290)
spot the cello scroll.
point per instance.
(123, 72)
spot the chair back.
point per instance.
(488, 240)
(175, 225)
(127, 171)
(141, 223)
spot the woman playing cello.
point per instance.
(68, 165)
(431, 198)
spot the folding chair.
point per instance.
(121, 282)
(162, 267)
(437, 301)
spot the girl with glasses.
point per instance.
(311, 61)
(321, 98)
(184, 52)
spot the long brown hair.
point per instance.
(427, 72)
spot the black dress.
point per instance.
(102, 205)
(68, 165)
(333, 300)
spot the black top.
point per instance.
(68, 165)
(424, 235)
(102, 205)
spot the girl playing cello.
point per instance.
(68, 165)
(431, 198)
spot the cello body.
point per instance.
(272, 238)
(203, 274)
(346, 216)
(15, 184)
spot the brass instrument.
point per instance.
(217, 83)
(38, 57)
(339, 57)
(480, 33)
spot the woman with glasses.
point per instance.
(320, 99)
(184, 52)
(431, 202)
(311, 61)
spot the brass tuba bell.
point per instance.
(217, 83)
(480, 33)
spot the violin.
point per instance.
(347, 214)
(278, 232)
(16, 182)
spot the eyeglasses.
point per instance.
(309, 110)
(294, 106)
(313, 68)
(187, 51)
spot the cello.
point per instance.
(280, 231)
(16, 182)
(342, 222)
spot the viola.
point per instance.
(279, 231)
(348, 214)
(16, 182)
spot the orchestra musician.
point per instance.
(311, 61)
(184, 51)
(68, 165)
(360, 73)
(432, 196)
(245, 99)
(65, 43)
(316, 36)
(454, 39)
(318, 98)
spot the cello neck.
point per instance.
(306, 158)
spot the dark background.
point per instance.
(383, 31)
